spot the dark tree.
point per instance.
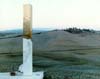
(78, 30)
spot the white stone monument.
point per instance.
(25, 70)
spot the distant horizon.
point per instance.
(38, 28)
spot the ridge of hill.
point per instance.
(53, 40)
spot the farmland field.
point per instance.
(59, 54)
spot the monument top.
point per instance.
(27, 27)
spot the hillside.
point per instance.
(61, 40)
(51, 41)
(62, 55)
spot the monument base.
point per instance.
(36, 75)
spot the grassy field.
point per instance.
(75, 64)
(59, 54)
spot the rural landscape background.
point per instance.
(70, 53)
(62, 54)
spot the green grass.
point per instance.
(57, 64)
(66, 65)
(9, 62)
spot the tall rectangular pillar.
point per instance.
(27, 40)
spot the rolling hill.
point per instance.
(62, 55)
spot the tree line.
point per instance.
(78, 30)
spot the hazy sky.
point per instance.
(52, 14)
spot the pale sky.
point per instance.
(52, 14)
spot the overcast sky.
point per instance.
(52, 14)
